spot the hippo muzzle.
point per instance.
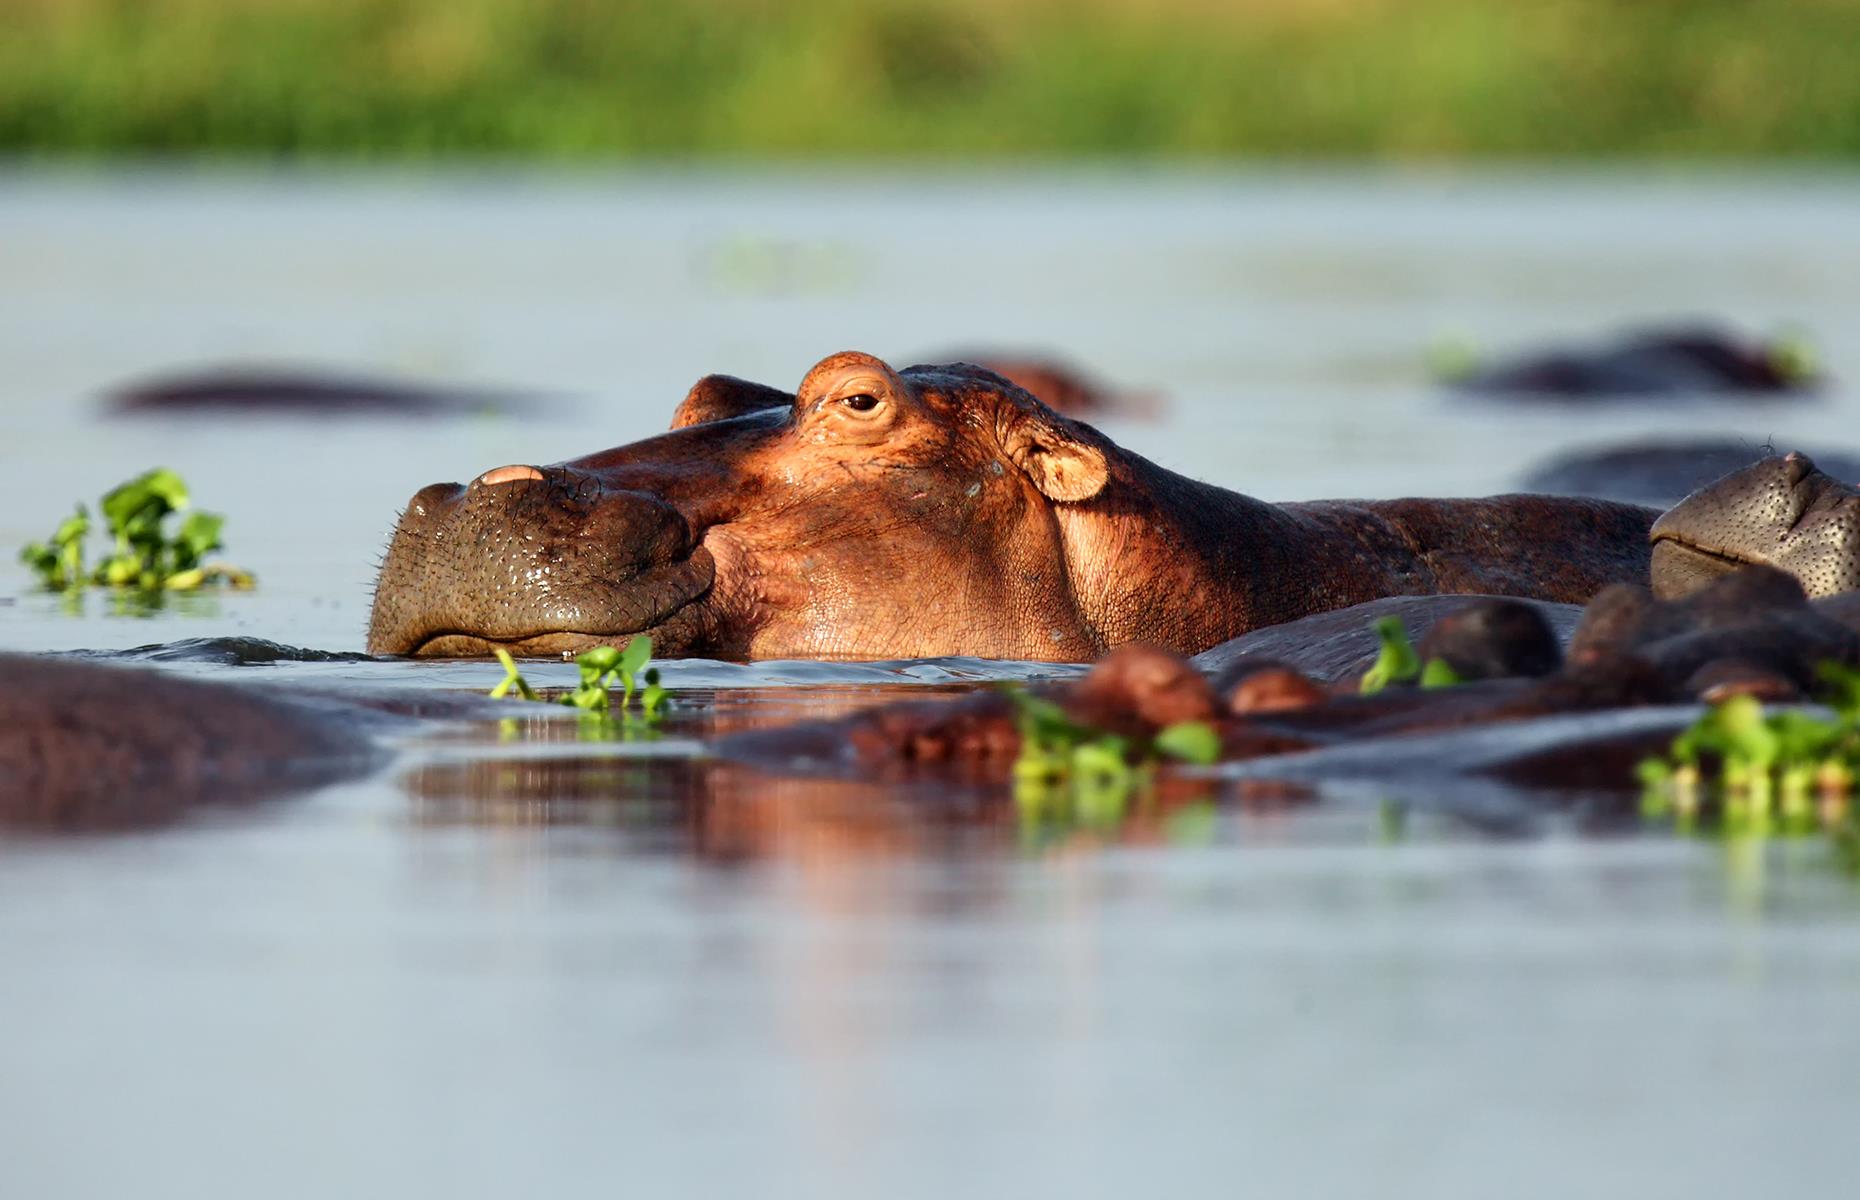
(1781, 512)
(538, 561)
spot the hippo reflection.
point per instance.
(930, 511)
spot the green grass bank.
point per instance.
(581, 79)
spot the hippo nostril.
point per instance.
(510, 474)
(1797, 466)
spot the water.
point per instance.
(524, 966)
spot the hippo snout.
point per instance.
(1782, 512)
(539, 560)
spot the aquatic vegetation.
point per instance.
(146, 556)
(1397, 662)
(1794, 356)
(513, 680)
(1070, 773)
(1749, 769)
(601, 668)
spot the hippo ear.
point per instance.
(715, 397)
(1064, 466)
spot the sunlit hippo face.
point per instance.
(1781, 512)
(872, 513)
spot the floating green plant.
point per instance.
(601, 668)
(147, 555)
(1398, 663)
(1071, 773)
(1743, 768)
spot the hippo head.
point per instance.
(871, 513)
(1781, 512)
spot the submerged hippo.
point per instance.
(87, 746)
(250, 391)
(1063, 386)
(1654, 362)
(877, 513)
(1754, 632)
(1782, 512)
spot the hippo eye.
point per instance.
(861, 402)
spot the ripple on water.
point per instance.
(226, 651)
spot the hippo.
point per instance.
(1063, 386)
(1753, 632)
(1782, 512)
(86, 746)
(1655, 362)
(1339, 645)
(938, 510)
(248, 391)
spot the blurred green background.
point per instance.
(566, 79)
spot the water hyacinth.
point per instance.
(600, 669)
(1070, 773)
(1751, 769)
(1398, 663)
(146, 554)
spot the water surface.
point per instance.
(512, 963)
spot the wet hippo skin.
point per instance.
(84, 746)
(1782, 512)
(876, 513)
(1062, 386)
(1340, 644)
(1754, 632)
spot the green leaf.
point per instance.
(1842, 690)
(1190, 741)
(1793, 357)
(1802, 736)
(1653, 771)
(132, 509)
(513, 679)
(166, 486)
(119, 570)
(590, 698)
(198, 537)
(638, 652)
(73, 528)
(1034, 767)
(1101, 760)
(1745, 733)
(59, 562)
(599, 660)
(1438, 673)
(1396, 661)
